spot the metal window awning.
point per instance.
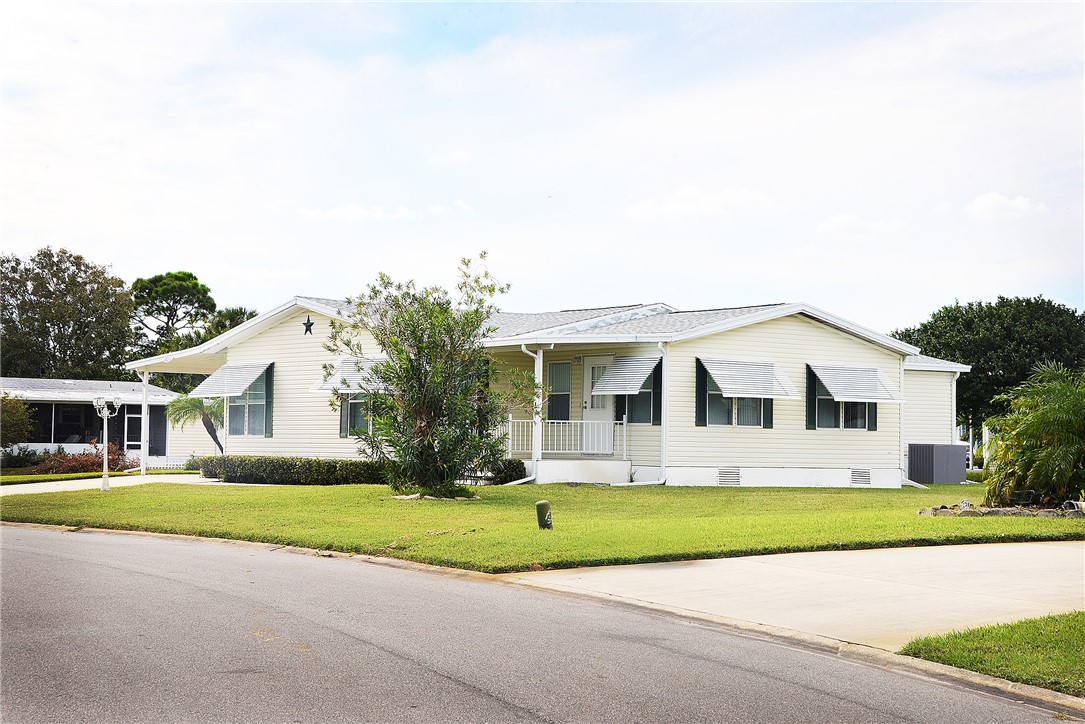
(350, 373)
(856, 384)
(625, 375)
(740, 378)
(229, 380)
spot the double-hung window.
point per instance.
(248, 411)
(825, 412)
(559, 392)
(353, 415)
(721, 410)
(638, 407)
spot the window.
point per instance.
(832, 415)
(557, 400)
(248, 410)
(353, 415)
(722, 410)
(638, 407)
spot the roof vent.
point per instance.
(860, 476)
(728, 476)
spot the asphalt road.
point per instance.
(110, 628)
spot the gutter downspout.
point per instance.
(663, 415)
(953, 410)
(144, 425)
(536, 416)
(903, 450)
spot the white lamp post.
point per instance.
(101, 404)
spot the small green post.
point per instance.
(542, 512)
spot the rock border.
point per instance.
(969, 511)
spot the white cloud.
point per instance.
(357, 212)
(693, 201)
(437, 209)
(451, 158)
(854, 226)
(463, 206)
(993, 206)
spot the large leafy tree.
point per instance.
(185, 410)
(1039, 444)
(62, 316)
(16, 425)
(169, 306)
(221, 321)
(1003, 341)
(433, 412)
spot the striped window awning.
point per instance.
(229, 380)
(740, 378)
(350, 373)
(625, 375)
(856, 384)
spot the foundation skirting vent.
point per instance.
(860, 476)
(728, 476)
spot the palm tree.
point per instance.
(185, 409)
(1039, 445)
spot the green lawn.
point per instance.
(1048, 652)
(592, 525)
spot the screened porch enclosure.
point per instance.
(74, 423)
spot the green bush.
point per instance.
(293, 471)
(976, 476)
(21, 456)
(508, 470)
(193, 463)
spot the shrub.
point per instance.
(976, 476)
(293, 470)
(508, 470)
(21, 456)
(87, 462)
(193, 463)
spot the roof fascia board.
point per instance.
(820, 315)
(940, 366)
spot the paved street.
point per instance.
(109, 627)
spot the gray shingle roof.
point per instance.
(511, 324)
(677, 322)
(33, 388)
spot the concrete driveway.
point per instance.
(880, 598)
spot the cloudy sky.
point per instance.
(877, 160)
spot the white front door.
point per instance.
(132, 432)
(597, 436)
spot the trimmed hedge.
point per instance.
(293, 471)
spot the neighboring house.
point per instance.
(64, 416)
(779, 394)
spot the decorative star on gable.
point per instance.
(308, 324)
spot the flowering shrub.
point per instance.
(87, 462)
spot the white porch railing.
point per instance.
(579, 437)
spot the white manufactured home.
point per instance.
(780, 394)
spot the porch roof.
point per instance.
(34, 389)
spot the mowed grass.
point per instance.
(498, 533)
(1048, 652)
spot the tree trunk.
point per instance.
(209, 425)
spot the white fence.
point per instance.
(571, 437)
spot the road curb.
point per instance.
(860, 653)
(869, 655)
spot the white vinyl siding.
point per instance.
(791, 343)
(928, 415)
(305, 424)
(192, 440)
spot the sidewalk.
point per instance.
(96, 483)
(881, 598)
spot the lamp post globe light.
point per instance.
(102, 405)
